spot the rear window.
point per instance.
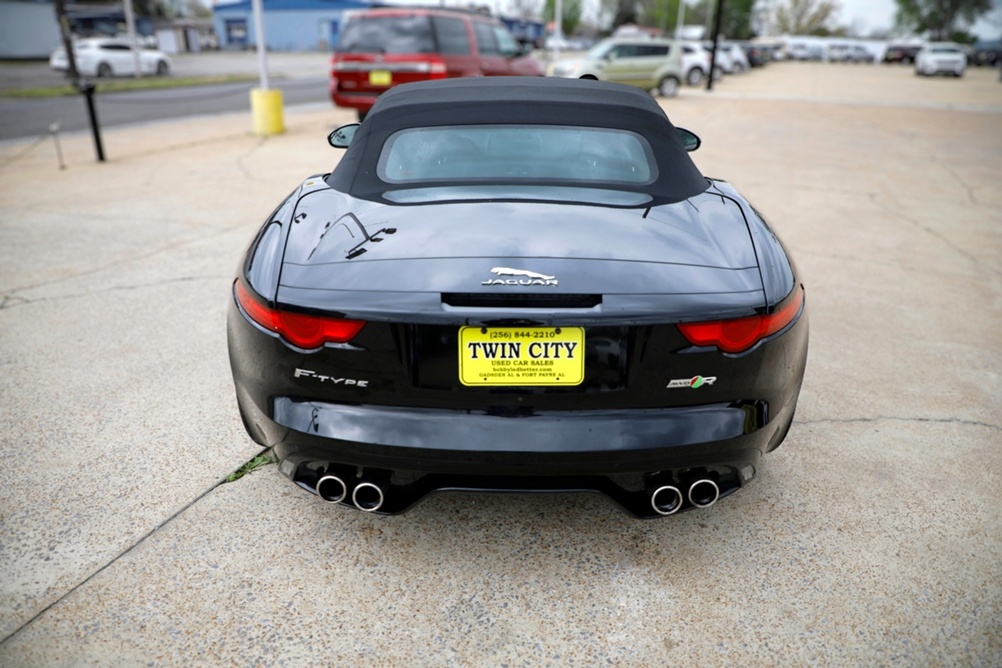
(388, 34)
(534, 154)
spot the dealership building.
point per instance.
(289, 25)
(313, 25)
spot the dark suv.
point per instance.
(381, 48)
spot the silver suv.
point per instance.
(652, 64)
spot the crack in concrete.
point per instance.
(922, 226)
(142, 539)
(96, 270)
(240, 160)
(896, 418)
(963, 184)
(924, 271)
(11, 301)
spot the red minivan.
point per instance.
(380, 48)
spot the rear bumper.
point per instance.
(624, 455)
(360, 101)
(564, 443)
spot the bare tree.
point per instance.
(806, 17)
(526, 9)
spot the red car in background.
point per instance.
(381, 48)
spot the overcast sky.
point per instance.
(879, 14)
(873, 14)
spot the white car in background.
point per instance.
(695, 64)
(730, 58)
(941, 57)
(109, 57)
(739, 59)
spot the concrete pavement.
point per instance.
(874, 535)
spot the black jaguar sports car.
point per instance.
(517, 285)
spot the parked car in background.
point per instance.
(381, 48)
(986, 55)
(849, 53)
(804, 51)
(110, 57)
(651, 64)
(757, 55)
(730, 57)
(695, 64)
(902, 53)
(941, 58)
(739, 59)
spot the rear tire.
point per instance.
(695, 76)
(104, 70)
(162, 68)
(668, 87)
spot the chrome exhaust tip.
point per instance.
(332, 489)
(368, 497)
(703, 493)
(666, 500)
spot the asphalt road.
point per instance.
(33, 117)
(872, 537)
(302, 77)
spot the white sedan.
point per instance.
(941, 57)
(108, 57)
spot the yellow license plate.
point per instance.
(521, 355)
(380, 78)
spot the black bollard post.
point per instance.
(87, 88)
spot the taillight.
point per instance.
(438, 70)
(300, 329)
(740, 334)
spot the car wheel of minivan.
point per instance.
(668, 87)
(695, 76)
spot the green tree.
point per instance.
(622, 11)
(571, 14)
(806, 17)
(737, 19)
(939, 17)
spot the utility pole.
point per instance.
(130, 25)
(85, 87)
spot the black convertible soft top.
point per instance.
(519, 101)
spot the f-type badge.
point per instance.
(521, 277)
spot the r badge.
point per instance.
(694, 382)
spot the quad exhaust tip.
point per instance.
(368, 497)
(703, 493)
(666, 500)
(332, 489)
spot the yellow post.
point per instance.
(266, 110)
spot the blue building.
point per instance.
(289, 25)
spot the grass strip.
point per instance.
(117, 86)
